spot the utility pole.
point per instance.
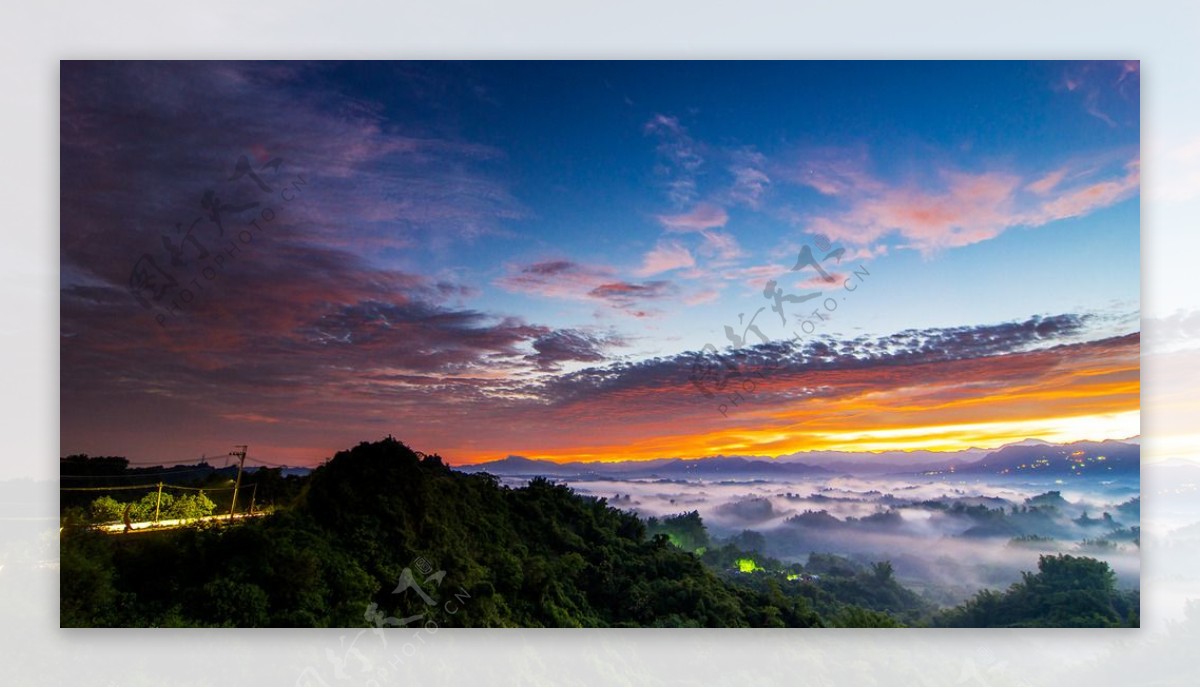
(253, 494)
(241, 460)
(158, 503)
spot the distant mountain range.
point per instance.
(715, 467)
(1078, 458)
(1026, 457)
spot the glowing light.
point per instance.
(747, 566)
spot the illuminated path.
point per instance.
(171, 523)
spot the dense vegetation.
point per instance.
(1067, 591)
(166, 505)
(382, 535)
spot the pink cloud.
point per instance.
(971, 209)
(967, 208)
(703, 216)
(667, 255)
(720, 245)
(834, 172)
(560, 279)
(249, 417)
(702, 296)
(565, 279)
(1083, 200)
(755, 276)
(816, 281)
(1047, 183)
(750, 182)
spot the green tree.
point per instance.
(105, 510)
(1066, 591)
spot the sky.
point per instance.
(596, 260)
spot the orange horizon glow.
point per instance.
(943, 439)
(1057, 396)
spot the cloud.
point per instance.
(703, 216)
(701, 296)
(963, 208)
(564, 279)
(298, 322)
(561, 346)
(788, 359)
(667, 255)
(1082, 200)
(720, 245)
(1106, 88)
(627, 295)
(145, 141)
(704, 219)
(834, 172)
(561, 279)
(969, 209)
(919, 388)
(315, 336)
(679, 155)
(1046, 184)
(249, 417)
(750, 180)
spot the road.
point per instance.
(172, 523)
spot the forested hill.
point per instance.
(535, 556)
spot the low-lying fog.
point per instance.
(945, 537)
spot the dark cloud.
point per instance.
(787, 359)
(144, 143)
(551, 267)
(564, 279)
(555, 348)
(260, 321)
(628, 294)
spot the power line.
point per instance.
(269, 463)
(202, 457)
(110, 488)
(142, 487)
(140, 474)
(204, 489)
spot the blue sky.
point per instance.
(582, 159)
